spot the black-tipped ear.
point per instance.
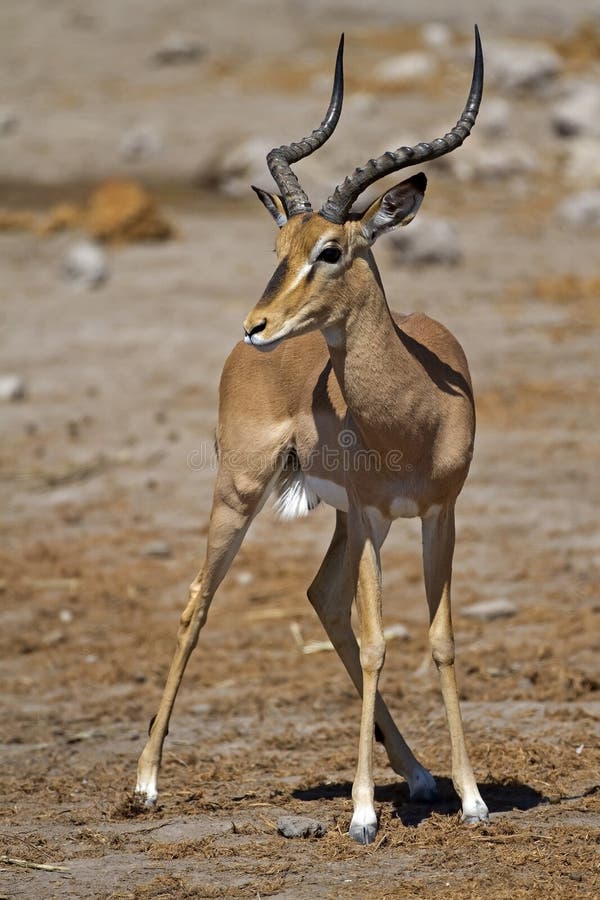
(274, 203)
(398, 206)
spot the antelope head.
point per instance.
(324, 256)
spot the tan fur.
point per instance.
(348, 378)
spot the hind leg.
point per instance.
(438, 549)
(236, 502)
(331, 595)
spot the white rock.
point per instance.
(578, 114)
(178, 49)
(427, 241)
(520, 66)
(12, 387)
(436, 34)
(493, 120)
(9, 121)
(582, 162)
(244, 577)
(581, 210)
(158, 550)
(487, 610)
(405, 67)
(141, 142)
(85, 264)
(300, 827)
(237, 166)
(494, 161)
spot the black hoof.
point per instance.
(363, 834)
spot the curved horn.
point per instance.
(338, 206)
(280, 158)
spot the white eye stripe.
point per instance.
(303, 272)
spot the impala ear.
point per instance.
(398, 206)
(274, 203)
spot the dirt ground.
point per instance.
(110, 452)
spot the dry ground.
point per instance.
(111, 451)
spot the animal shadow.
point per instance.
(499, 797)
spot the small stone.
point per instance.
(436, 34)
(141, 142)
(85, 264)
(581, 210)
(582, 162)
(178, 49)
(236, 165)
(300, 827)
(9, 121)
(158, 550)
(396, 632)
(494, 162)
(521, 66)
(66, 616)
(244, 578)
(427, 241)
(493, 120)
(487, 610)
(405, 67)
(578, 114)
(12, 387)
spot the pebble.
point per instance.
(141, 142)
(494, 161)
(436, 34)
(244, 577)
(158, 550)
(487, 610)
(520, 66)
(582, 162)
(12, 387)
(178, 49)
(237, 165)
(578, 114)
(427, 241)
(85, 264)
(405, 67)
(300, 827)
(493, 120)
(9, 121)
(582, 209)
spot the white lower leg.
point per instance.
(473, 807)
(146, 787)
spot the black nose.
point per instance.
(257, 328)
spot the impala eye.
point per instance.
(330, 255)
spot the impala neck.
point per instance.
(371, 364)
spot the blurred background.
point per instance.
(131, 250)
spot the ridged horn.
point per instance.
(280, 159)
(337, 207)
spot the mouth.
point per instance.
(261, 344)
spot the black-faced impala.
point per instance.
(392, 393)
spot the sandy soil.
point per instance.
(111, 451)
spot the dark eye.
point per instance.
(330, 255)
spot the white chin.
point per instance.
(264, 346)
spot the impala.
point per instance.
(391, 392)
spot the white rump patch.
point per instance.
(295, 498)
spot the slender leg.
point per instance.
(331, 594)
(230, 518)
(438, 549)
(366, 569)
